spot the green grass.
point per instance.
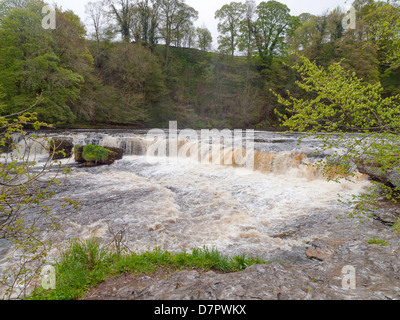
(378, 241)
(86, 264)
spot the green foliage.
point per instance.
(25, 189)
(349, 117)
(339, 102)
(213, 90)
(246, 29)
(94, 153)
(204, 39)
(30, 67)
(273, 25)
(87, 263)
(384, 21)
(137, 76)
(230, 16)
(102, 83)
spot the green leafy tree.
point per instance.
(26, 192)
(123, 13)
(384, 21)
(183, 22)
(137, 74)
(29, 67)
(69, 43)
(302, 38)
(7, 5)
(355, 120)
(189, 39)
(230, 16)
(358, 56)
(168, 11)
(246, 30)
(173, 15)
(204, 38)
(149, 20)
(321, 39)
(273, 25)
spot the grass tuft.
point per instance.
(378, 241)
(85, 264)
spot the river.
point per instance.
(182, 203)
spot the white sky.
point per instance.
(207, 8)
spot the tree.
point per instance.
(273, 26)
(123, 12)
(246, 30)
(30, 67)
(303, 36)
(168, 10)
(230, 16)
(339, 103)
(357, 55)
(26, 220)
(137, 74)
(183, 22)
(148, 19)
(7, 5)
(384, 21)
(204, 38)
(173, 14)
(189, 38)
(95, 11)
(69, 43)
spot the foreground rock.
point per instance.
(318, 270)
(390, 178)
(276, 281)
(114, 155)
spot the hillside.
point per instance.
(129, 86)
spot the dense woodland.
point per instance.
(142, 63)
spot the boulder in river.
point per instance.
(61, 148)
(6, 145)
(91, 155)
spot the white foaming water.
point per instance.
(181, 204)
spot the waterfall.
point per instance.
(208, 196)
(271, 154)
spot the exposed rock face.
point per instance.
(315, 271)
(114, 154)
(118, 153)
(61, 148)
(389, 178)
(279, 281)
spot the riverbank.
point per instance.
(319, 270)
(283, 212)
(351, 261)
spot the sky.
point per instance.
(207, 8)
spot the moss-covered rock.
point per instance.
(92, 155)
